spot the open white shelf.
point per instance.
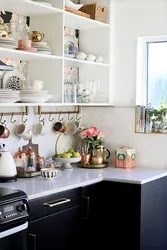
(76, 62)
(82, 23)
(94, 38)
(25, 56)
(27, 7)
(56, 104)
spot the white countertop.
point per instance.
(38, 187)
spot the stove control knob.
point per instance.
(20, 208)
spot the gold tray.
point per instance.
(29, 175)
(92, 166)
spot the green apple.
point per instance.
(76, 155)
(71, 151)
(59, 156)
(66, 155)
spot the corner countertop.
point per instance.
(78, 177)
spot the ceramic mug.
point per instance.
(23, 132)
(39, 129)
(24, 44)
(71, 128)
(59, 127)
(4, 132)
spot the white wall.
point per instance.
(134, 18)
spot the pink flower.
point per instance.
(92, 131)
(83, 134)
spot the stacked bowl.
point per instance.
(9, 96)
(42, 47)
(8, 42)
(32, 92)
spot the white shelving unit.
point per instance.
(95, 38)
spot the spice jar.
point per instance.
(40, 163)
(20, 161)
(31, 160)
(49, 163)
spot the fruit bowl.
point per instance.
(67, 161)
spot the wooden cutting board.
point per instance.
(35, 147)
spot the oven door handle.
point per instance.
(14, 230)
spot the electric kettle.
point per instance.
(7, 165)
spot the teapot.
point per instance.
(37, 36)
(103, 151)
(7, 164)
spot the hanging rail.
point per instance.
(25, 112)
(40, 112)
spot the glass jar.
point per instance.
(20, 161)
(49, 163)
(31, 160)
(40, 163)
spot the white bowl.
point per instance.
(80, 55)
(99, 59)
(91, 58)
(35, 99)
(49, 173)
(67, 161)
(32, 85)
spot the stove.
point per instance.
(14, 211)
(13, 205)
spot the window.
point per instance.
(151, 70)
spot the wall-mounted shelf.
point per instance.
(76, 62)
(82, 23)
(25, 56)
(94, 38)
(27, 7)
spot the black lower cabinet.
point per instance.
(106, 215)
(56, 221)
(127, 216)
(59, 231)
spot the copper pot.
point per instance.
(4, 132)
(59, 127)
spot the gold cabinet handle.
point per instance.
(56, 202)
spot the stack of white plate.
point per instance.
(42, 47)
(8, 42)
(9, 96)
(34, 96)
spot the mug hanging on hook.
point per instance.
(4, 131)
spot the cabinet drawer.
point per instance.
(54, 203)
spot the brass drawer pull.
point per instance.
(56, 202)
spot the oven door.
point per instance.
(14, 238)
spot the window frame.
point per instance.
(142, 67)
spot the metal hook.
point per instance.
(41, 120)
(70, 119)
(11, 119)
(23, 121)
(1, 119)
(78, 118)
(51, 120)
(61, 118)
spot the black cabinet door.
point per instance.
(60, 231)
(154, 215)
(114, 215)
